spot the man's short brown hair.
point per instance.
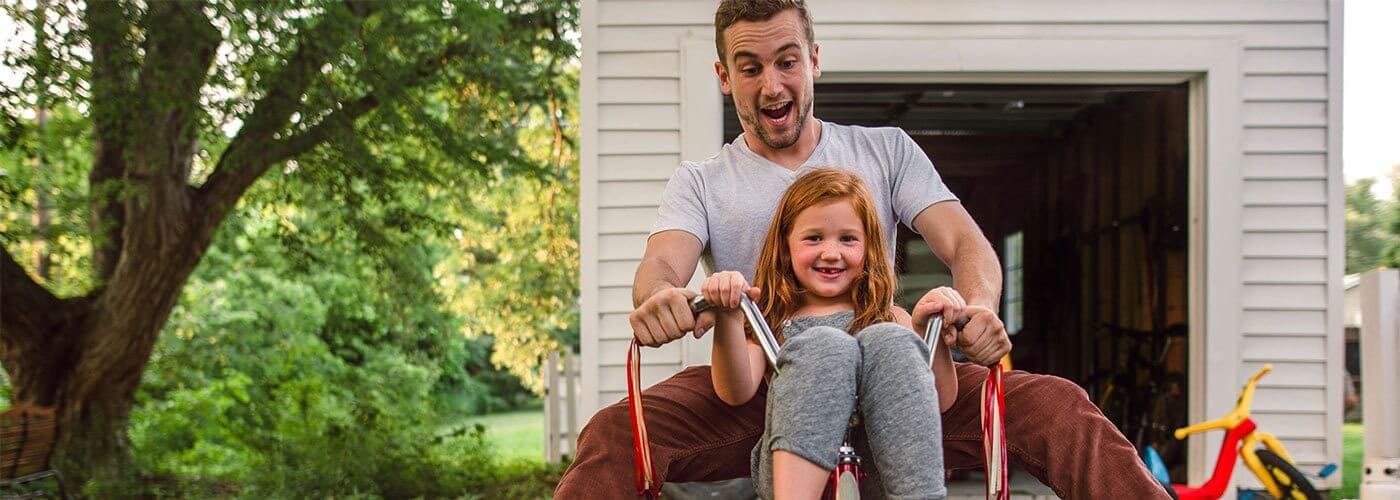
(733, 11)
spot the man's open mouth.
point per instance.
(777, 112)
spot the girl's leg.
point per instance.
(796, 478)
(809, 405)
(899, 409)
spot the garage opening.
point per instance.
(1083, 190)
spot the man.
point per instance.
(721, 208)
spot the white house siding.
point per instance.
(1289, 201)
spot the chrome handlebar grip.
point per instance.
(766, 340)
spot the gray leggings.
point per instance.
(823, 370)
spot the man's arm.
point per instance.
(955, 238)
(669, 262)
(662, 303)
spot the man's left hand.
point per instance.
(983, 339)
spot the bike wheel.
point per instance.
(847, 487)
(1291, 481)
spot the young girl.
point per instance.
(826, 287)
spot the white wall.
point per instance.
(1284, 260)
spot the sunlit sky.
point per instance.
(1371, 87)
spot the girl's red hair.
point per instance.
(872, 292)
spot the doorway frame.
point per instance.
(1209, 66)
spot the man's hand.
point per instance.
(983, 340)
(666, 316)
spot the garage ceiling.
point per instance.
(957, 110)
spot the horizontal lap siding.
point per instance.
(629, 194)
(638, 121)
(1283, 135)
(619, 90)
(616, 247)
(1285, 218)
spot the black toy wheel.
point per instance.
(1291, 481)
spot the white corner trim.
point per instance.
(588, 210)
(702, 133)
(1336, 239)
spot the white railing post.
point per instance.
(551, 408)
(1380, 378)
(571, 380)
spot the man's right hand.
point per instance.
(666, 316)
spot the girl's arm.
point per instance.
(945, 378)
(738, 364)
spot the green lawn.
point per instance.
(1351, 462)
(517, 434)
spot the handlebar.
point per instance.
(769, 342)
(766, 339)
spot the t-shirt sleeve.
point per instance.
(917, 184)
(682, 206)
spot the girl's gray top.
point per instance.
(839, 320)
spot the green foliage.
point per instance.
(514, 271)
(366, 291)
(48, 162)
(291, 371)
(1372, 227)
(1390, 257)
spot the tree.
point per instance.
(515, 276)
(353, 96)
(1366, 231)
(1390, 256)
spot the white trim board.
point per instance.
(701, 12)
(588, 233)
(1212, 66)
(1336, 236)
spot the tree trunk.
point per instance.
(85, 356)
(42, 257)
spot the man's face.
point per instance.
(770, 74)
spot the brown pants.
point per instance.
(1052, 429)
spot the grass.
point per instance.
(517, 434)
(1351, 462)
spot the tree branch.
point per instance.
(238, 171)
(180, 44)
(27, 309)
(113, 66)
(237, 166)
(113, 82)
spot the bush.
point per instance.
(282, 381)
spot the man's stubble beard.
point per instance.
(804, 111)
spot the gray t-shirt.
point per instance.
(729, 199)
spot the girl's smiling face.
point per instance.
(827, 242)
